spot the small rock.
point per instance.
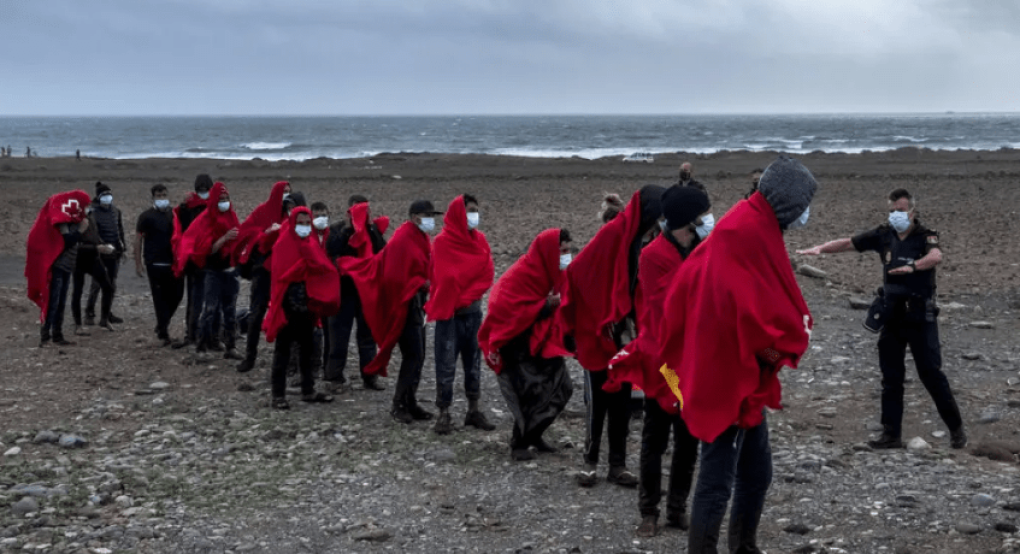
(1012, 506)
(989, 417)
(811, 271)
(1006, 527)
(859, 303)
(938, 434)
(1013, 402)
(982, 500)
(46, 437)
(12, 452)
(797, 529)
(159, 385)
(373, 535)
(973, 356)
(982, 325)
(442, 455)
(968, 528)
(25, 506)
(245, 387)
(73, 441)
(953, 306)
(827, 412)
(906, 500)
(992, 452)
(917, 443)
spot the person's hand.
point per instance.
(813, 251)
(273, 228)
(140, 270)
(231, 234)
(106, 249)
(83, 225)
(902, 270)
(553, 300)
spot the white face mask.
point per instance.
(161, 203)
(321, 222)
(286, 195)
(707, 224)
(900, 221)
(203, 195)
(106, 199)
(303, 230)
(565, 260)
(801, 221)
(427, 225)
(473, 219)
(224, 205)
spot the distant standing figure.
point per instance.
(77, 155)
(28, 152)
(3, 152)
(109, 224)
(687, 177)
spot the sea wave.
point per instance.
(266, 145)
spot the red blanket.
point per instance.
(297, 260)
(360, 239)
(197, 242)
(598, 288)
(386, 282)
(462, 268)
(45, 243)
(638, 363)
(192, 201)
(734, 315)
(255, 225)
(518, 297)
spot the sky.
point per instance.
(409, 57)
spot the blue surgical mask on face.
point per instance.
(900, 221)
(427, 225)
(203, 195)
(707, 224)
(106, 199)
(801, 221)
(161, 203)
(303, 230)
(565, 260)
(472, 220)
(223, 205)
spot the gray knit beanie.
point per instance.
(788, 187)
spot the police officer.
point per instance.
(910, 252)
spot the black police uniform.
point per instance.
(913, 322)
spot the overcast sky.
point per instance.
(356, 57)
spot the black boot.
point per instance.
(957, 438)
(889, 439)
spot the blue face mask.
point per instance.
(707, 224)
(900, 221)
(801, 221)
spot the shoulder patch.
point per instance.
(933, 239)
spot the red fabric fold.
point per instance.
(196, 243)
(192, 201)
(297, 260)
(252, 231)
(598, 288)
(45, 243)
(518, 297)
(462, 268)
(386, 282)
(735, 298)
(638, 363)
(360, 239)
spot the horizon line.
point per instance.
(564, 114)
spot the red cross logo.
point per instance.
(71, 207)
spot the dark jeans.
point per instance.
(600, 404)
(97, 270)
(338, 334)
(458, 336)
(923, 339)
(738, 461)
(167, 292)
(112, 265)
(53, 326)
(297, 331)
(221, 288)
(195, 287)
(261, 286)
(412, 352)
(654, 440)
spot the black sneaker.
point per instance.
(444, 424)
(419, 413)
(622, 476)
(246, 365)
(957, 438)
(215, 346)
(678, 521)
(649, 527)
(543, 446)
(90, 319)
(114, 319)
(61, 341)
(232, 354)
(402, 415)
(521, 454)
(183, 343)
(476, 419)
(886, 442)
(105, 324)
(588, 476)
(372, 382)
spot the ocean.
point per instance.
(302, 138)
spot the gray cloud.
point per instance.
(506, 56)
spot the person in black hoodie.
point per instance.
(339, 327)
(88, 263)
(109, 224)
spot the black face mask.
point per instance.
(684, 176)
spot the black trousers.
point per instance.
(261, 287)
(337, 333)
(167, 291)
(112, 265)
(298, 331)
(97, 270)
(923, 339)
(412, 352)
(53, 324)
(654, 441)
(602, 404)
(195, 287)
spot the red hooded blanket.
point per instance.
(734, 315)
(386, 282)
(638, 363)
(518, 297)
(297, 260)
(255, 225)
(208, 227)
(598, 288)
(360, 240)
(191, 201)
(462, 268)
(45, 243)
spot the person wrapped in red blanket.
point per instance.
(599, 314)
(251, 256)
(522, 341)
(184, 214)
(305, 287)
(462, 272)
(209, 244)
(686, 223)
(393, 285)
(50, 259)
(734, 316)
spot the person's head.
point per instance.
(685, 171)
(203, 184)
(651, 210)
(566, 248)
(160, 197)
(612, 205)
(302, 222)
(320, 215)
(223, 200)
(901, 210)
(293, 200)
(103, 194)
(356, 199)
(423, 214)
(686, 214)
(788, 187)
(471, 206)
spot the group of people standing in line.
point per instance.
(701, 317)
